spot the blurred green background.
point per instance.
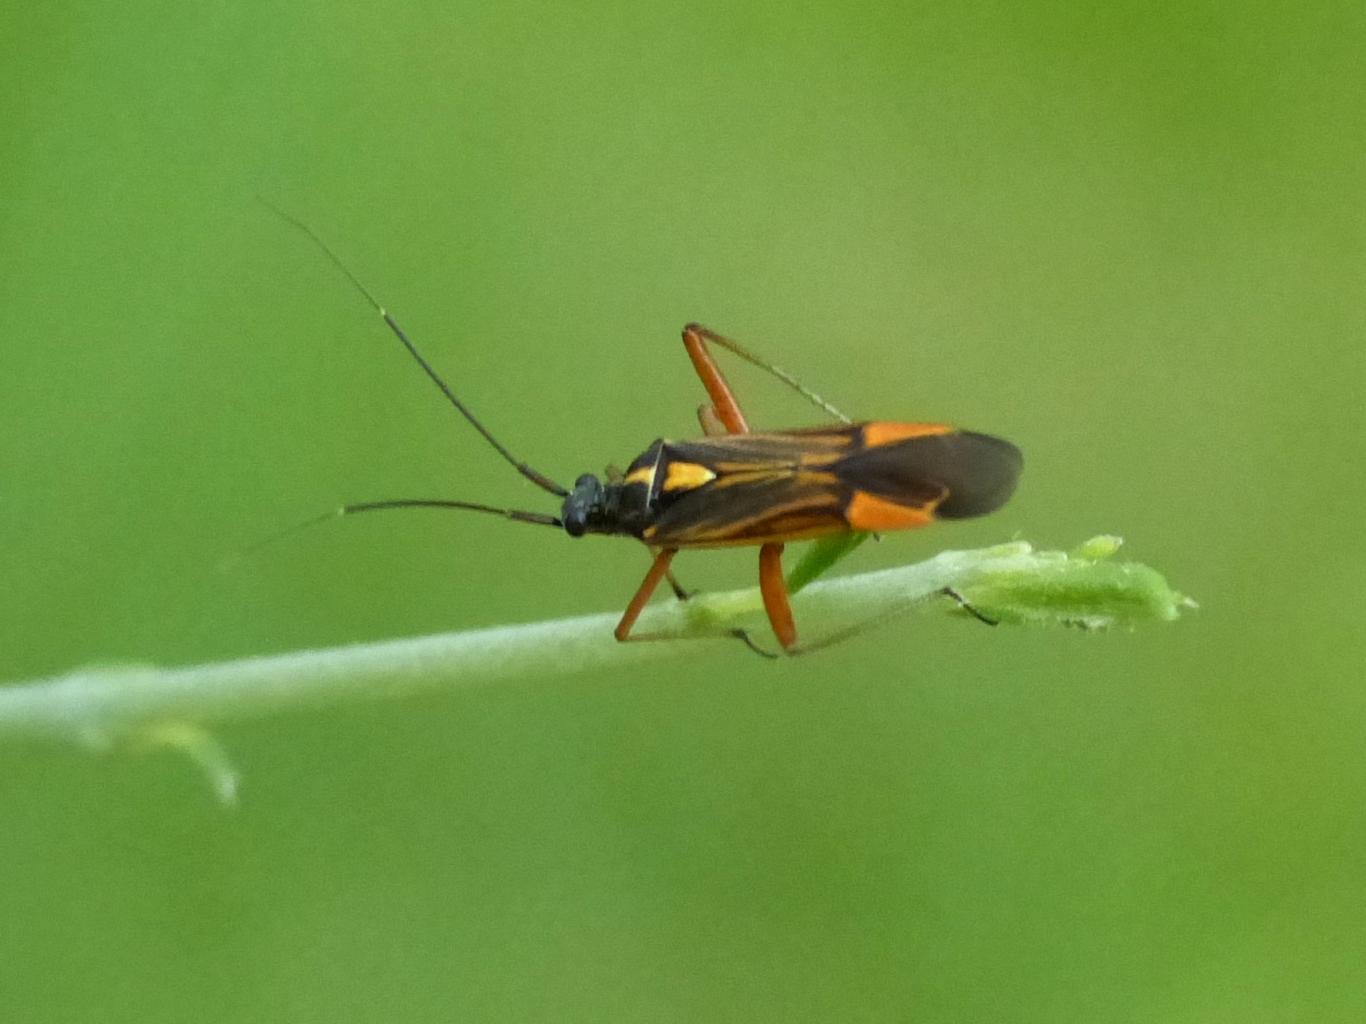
(1129, 237)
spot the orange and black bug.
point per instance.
(735, 487)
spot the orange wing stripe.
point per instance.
(878, 515)
(882, 432)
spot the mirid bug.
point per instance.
(735, 487)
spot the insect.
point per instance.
(737, 487)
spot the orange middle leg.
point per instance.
(774, 590)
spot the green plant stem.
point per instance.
(1012, 583)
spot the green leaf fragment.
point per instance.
(821, 556)
(1082, 589)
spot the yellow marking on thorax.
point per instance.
(684, 476)
(644, 475)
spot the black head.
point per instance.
(585, 508)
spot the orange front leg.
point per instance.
(658, 570)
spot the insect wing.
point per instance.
(751, 508)
(751, 488)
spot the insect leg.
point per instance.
(776, 604)
(968, 607)
(658, 570)
(774, 590)
(849, 632)
(725, 408)
(703, 334)
(681, 592)
(711, 423)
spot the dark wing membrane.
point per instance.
(977, 470)
(750, 508)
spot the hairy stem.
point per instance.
(1011, 583)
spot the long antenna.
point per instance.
(518, 515)
(535, 476)
(539, 518)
